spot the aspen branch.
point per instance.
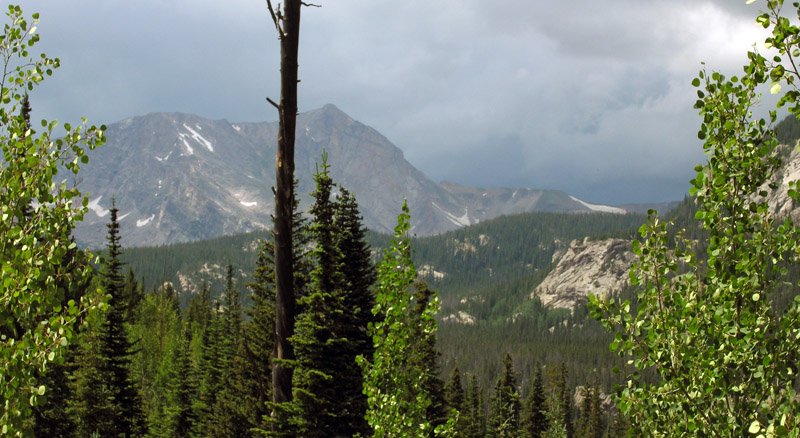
(310, 5)
(278, 107)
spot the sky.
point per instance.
(590, 97)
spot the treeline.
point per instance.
(150, 366)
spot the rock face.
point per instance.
(780, 204)
(180, 177)
(586, 267)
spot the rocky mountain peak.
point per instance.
(179, 177)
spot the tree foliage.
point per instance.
(35, 328)
(726, 358)
(396, 394)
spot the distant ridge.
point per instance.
(180, 177)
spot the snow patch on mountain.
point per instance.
(248, 204)
(189, 149)
(119, 219)
(94, 205)
(236, 127)
(199, 138)
(597, 207)
(165, 158)
(461, 221)
(142, 222)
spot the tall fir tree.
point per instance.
(211, 367)
(477, 416)
(505, 404)
(455, 398)
(229, 417)
(259, 332)
(534, 415)
(425, 355)
(116, 347)
(331, 330)
(91, 407)
(358, 299)
(184, 415)
(319, 338)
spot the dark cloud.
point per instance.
(590, 97)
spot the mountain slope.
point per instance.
(179, 177)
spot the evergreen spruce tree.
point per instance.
(560, 401)
(582, 425)
(211, 367)
(116, 348)
(455, 399)
(319, 339)
(595, 427)
(505, 404)
(426, 357)
(477, 417)
(184, 389)
(358, 298)
(229, 419)
(259, 334)
(132, 295)
(91, 406)
(534, 415)
(331, 330)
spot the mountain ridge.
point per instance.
(179, 177)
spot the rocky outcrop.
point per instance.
(780, 204)
(587, 266)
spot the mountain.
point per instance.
(180, 177)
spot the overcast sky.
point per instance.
(591, 97)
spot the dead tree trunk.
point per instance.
(287, 23)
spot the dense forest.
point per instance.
(180, 341)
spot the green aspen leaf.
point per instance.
(755, 426)
(775, 88)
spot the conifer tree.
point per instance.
(561, 402)
(259, 332)
(211, 367)
(358, 299)
(455, 399)
(91, 405)
(320, 342)
(534, 415)
(476, 417)
(594, 422)
(425, 355)
(184, 389)
(132, 295)
(504, 419)
(116, 349)
(331, 330)
(229, 419)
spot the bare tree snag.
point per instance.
(287, 24)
